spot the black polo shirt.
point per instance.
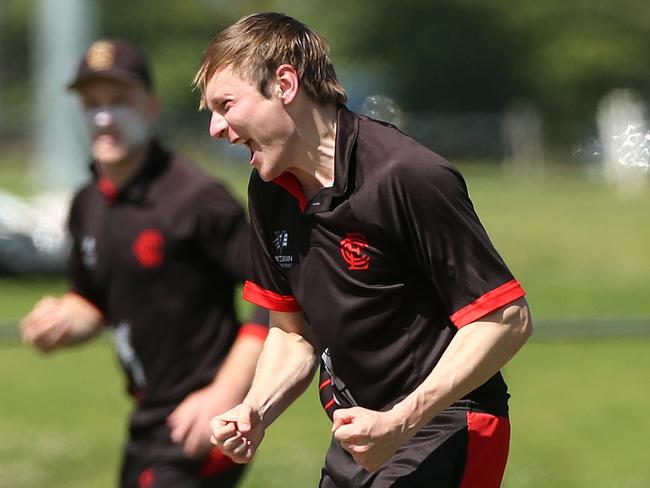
(387, 264)
(160, 259)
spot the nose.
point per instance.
(218, 126)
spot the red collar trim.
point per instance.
(107, 188)
(291, 184)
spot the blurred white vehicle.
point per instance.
(33, 236)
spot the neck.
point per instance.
(316, 136)
(120, 172)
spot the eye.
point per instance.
(120, 100)
(89, 103)
(225, 106)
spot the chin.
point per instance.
(266, 173)
(264, 176)
(112, 155)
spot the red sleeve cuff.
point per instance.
(257, 331)
(489, 302)
(269, 300)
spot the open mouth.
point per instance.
(107, 138)
(251, 147)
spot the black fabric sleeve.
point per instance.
(223, 231)
(267, 286)
(78, 277)
(427, 205)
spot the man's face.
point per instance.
(241, 114)
(119, 117)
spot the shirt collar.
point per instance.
(347, 129)
(156, 159)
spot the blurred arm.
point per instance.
(190, 421)
(58, 322)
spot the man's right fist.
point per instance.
(238, 433)
(45, 327)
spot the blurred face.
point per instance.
(119, 117)
(242, 115)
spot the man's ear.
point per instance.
(287, 83)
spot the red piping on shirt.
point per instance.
(107, 188)
(290, 183)
(489, 302)
(258, 331)
(268, 299)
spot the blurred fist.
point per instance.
(238, 433)
(46, 326)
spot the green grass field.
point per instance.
(579, 411)
(579, 406)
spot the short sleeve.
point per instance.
(267, 286)
(78, 276)
(222, 231)
(428, 205)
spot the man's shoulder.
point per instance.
(386, 157)
(190, 181)
(84, 193)
(185, 171)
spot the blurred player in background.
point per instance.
(372, 240)
(158, 249)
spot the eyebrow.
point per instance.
(217, 101)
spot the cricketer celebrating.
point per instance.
(368, 253)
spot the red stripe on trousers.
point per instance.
(215, 462)
(487, 450)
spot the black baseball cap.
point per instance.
(112, 59)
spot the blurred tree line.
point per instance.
(443, 57)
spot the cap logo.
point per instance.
(101, 56)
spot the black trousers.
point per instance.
(459, 449)
(154, 461)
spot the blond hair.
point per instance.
(256, 45)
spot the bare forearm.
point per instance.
(475, 354)
(235, 375)
(284, 371)
(83, 319)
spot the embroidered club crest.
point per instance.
(148, 248)
(353, 250)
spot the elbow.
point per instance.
(520, 323)
(524, 328)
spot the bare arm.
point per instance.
(189, 422)
(476, 353)
(285, 368)
(284, 371)
(58, 322)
